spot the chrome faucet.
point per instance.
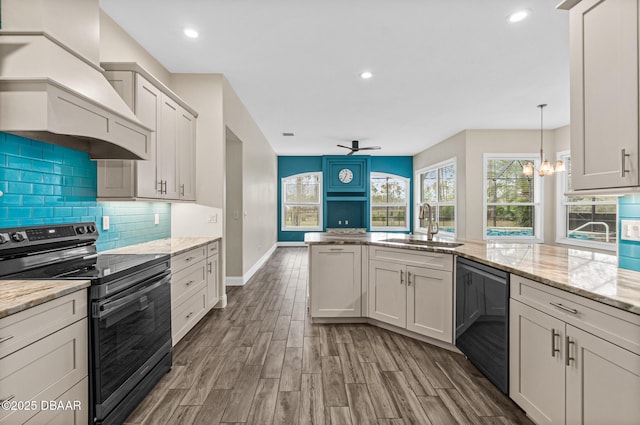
(432, 228)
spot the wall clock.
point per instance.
(345, 175)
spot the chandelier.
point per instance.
(546, 168)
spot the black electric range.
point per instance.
(129, 318)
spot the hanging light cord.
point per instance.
(541, 106)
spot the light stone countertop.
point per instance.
(592, 275)
(19, 295)
(172, 246)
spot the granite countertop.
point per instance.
(19, 295)
(173, 246)
(593, 275)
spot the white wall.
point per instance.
(195, 220)
(116, 45)
(259, 178)
(453, 147)
(470, 146)
(234, 206)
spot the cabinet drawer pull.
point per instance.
(568, 344)
(554, 350)
(11, 397)
(189, 315)
(190, 282)
(6, 338)
(336, 249)
(624, 162)
(565, 308)
(401, 276)
(408, 278)
(189, 258)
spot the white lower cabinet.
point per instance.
(562, 374)
(419, 299)
(213, 295)
(44, 359)
(189, 292)
(335, 280)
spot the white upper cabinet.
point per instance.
(604, 93)
(170, 171)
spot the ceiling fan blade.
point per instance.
(370, 148)
(346, 147)
(352, 151)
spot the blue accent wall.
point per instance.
(628, 251)
(290, 165)
(49, 184)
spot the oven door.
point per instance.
(131, 333)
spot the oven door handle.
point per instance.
(110, 307)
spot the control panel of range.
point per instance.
(35, 235)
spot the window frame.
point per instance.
(284, 204)
(406, 204)
(538, 196)
(418, 196)
(562, 211)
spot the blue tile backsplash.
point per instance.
(50, 184)
(628, 251)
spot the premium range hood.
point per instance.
(52, 87)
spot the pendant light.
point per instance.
(546, 168)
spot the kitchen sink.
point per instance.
(422, 242)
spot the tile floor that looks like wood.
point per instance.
(261, 361)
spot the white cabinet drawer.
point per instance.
(43, 370)
(25, 327)
(410, 257)
(188, 258)
(75, 412)
(617, 326)
(187, 281)
(185, 316)
(212, 249)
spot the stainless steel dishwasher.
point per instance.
(482, 319)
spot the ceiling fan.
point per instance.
(355, 147)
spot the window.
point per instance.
(301, 202)
(436, 185)
(589, 221)
(511, 200)
(389, 202)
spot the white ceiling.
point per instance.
(440, 66)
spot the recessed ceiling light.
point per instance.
(519, 15)
(366, 75)
(191, 33)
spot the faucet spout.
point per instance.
(432, 228)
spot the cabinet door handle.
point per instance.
(565, 308)
(401, 277)
(182, 189)
(554, 350)
(210, 265)
(408, 278)
(6, 338)
(624, 156)
(160, 190)
(568, 344)
(11, 397)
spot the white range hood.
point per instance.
(52, 87)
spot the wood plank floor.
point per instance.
(261, 361)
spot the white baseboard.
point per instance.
(287, 244)
(242, 280)
(222, 302)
